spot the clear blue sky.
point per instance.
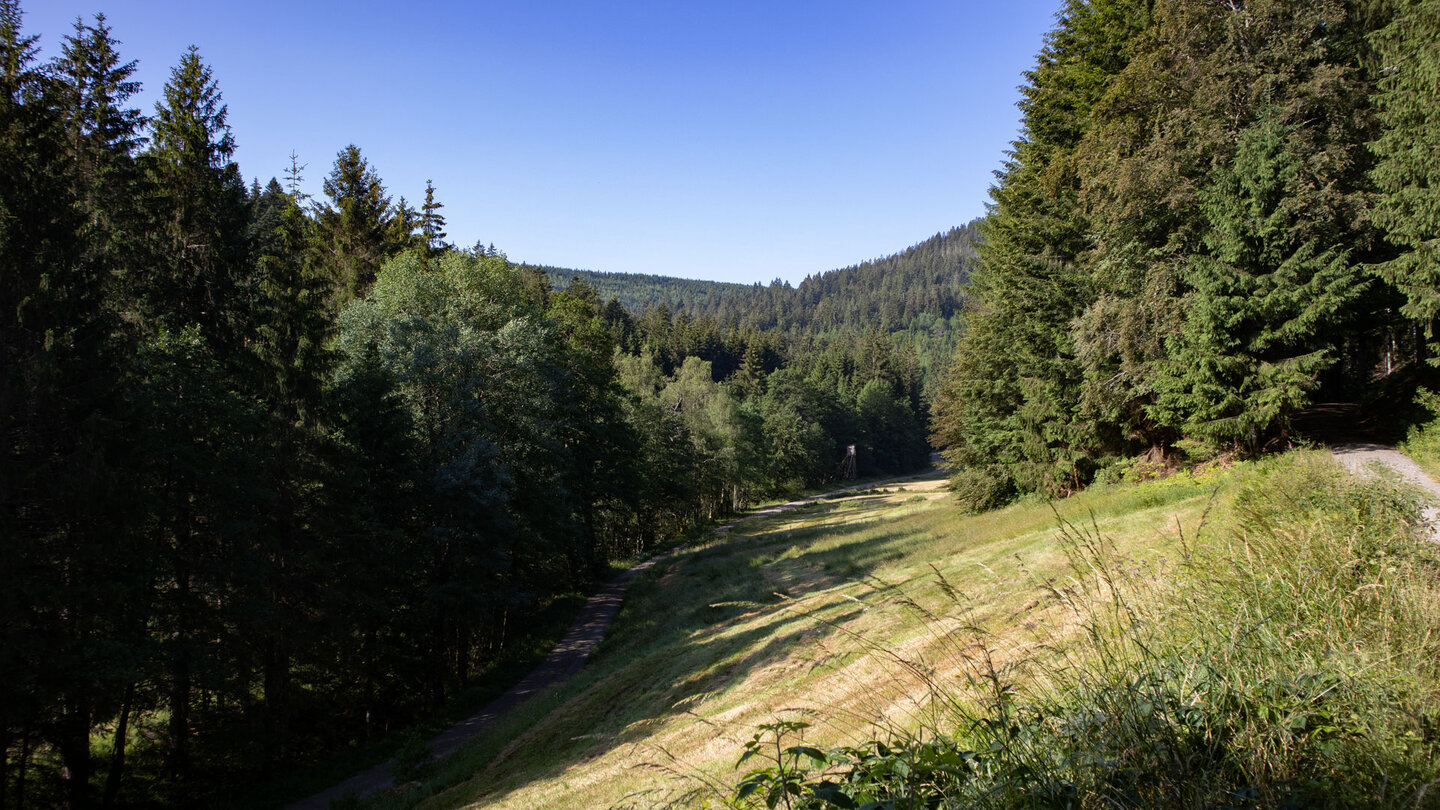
(739, 140)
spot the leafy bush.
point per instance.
(1422, 442)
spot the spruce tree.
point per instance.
(1265, 231)
(356, 227)
(74, 582)
(102, 134)
(192, 411)
(198, 203)
(432, 222)
(1006, 415)
(1407, 172)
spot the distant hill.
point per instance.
(637, 291)
(925, 281)
(914, 297)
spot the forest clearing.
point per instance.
(296, 473)
(885, 614)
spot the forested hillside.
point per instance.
(914, 288)
(912, 298)
(1217, 213)
(281, 475)
(637, 291)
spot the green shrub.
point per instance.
(1422, 442)
(981, 488)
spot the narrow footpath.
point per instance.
(1360, 458)
(1361, 443)
(563, 662)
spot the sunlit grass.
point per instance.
(1269, 603)
(1285, 655)
(810, 614)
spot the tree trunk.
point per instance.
(277, 685)
(117, 755)
(22, 769)
(74, 745)
(367, 655)
(176, 759)
(6, 740)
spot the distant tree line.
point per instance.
(1216, 214)
(914, 298)
(281, 474)
(637, 291)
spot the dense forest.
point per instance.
(912, 298)
(1217, 214)
(280, 474)
(637, 291)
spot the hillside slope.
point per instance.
(849, 614)
(910, 301)
(639, 291)
(923, 283)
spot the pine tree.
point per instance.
(101, 135)
(74, 582)
(1265, 226)
(432, 222)
(1007, 414)
(405, 229)
(292, 363)
(1408, 174)
(356, 228)
(199, 207)
(1252, 343)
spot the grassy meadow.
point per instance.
(1269, 628)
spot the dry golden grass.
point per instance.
(844, 613)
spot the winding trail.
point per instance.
(564, 661)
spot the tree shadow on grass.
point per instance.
(675, 640)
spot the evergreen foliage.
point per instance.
(280, 478)
(914, 297)
(267, 463)
(1178, 254)
(1406, 174)
(197, 198)
(357, 225)
(1008, 414)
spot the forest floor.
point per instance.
(566, 659)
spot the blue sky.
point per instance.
(735, 141)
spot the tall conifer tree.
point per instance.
(199, 205)
(1408, 173)
(356, 226)
(1007, 413)
(432, 222)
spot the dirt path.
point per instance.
(1359, 458)
(562, 663)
